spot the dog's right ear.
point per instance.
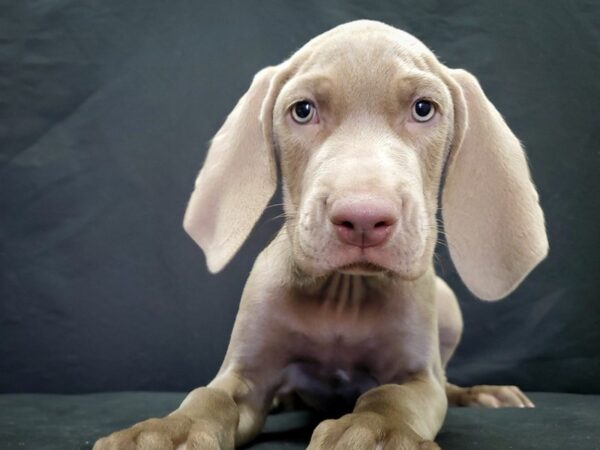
(239, 175)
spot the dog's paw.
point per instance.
(489, 397)
(175, 432)
(360, 431)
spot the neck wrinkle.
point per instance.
(342, 292)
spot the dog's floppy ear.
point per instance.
(492, 218)
(239, 175)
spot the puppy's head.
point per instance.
(364, 120)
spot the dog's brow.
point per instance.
(318, 86)
(421, 80)
(419, 83)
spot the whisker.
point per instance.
(277, 217)
(274, 205)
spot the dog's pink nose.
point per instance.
(363, 223)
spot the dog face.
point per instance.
(364, 120)
(362, 133)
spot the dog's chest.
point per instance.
(341, 349)
(330, 389)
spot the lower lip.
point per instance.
(361, 269)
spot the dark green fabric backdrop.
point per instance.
(106, 108)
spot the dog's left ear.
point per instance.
(492, 218)
(239, 175)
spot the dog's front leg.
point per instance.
(220, 416)
(391, 416)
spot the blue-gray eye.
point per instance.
(303, 111)
(423, 110)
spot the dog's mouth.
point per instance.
(361, 268)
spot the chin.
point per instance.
(357, 263)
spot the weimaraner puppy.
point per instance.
(343, 308)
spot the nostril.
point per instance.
(347, 224)
(382, 224)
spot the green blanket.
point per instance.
(60, 422)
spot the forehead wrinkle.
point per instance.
(348, 74)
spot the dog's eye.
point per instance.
(303, 111)
(423, 110)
